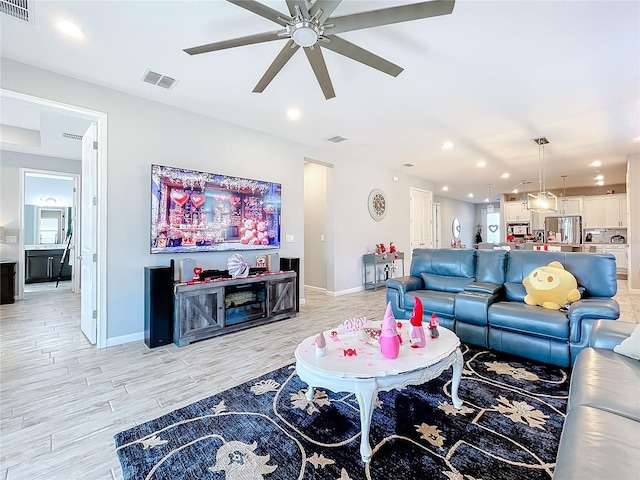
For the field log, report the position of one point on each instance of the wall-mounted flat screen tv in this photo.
(195, 211)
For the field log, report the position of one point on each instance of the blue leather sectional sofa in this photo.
(479, 295)
(601, 434)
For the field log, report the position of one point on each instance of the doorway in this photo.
(318, 237)
(49, 206)
(95, 290)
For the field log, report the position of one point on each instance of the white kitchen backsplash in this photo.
(605, 235)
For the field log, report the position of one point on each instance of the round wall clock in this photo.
(377, 204)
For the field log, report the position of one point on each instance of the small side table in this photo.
(7, 282)
(378, 262)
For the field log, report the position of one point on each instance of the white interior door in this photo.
(437, 226)
(421, 218)
(75, 236)
(87, 258)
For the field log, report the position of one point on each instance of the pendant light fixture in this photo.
(564, 194)
(488, 200)
(542, 201)
(524, 183)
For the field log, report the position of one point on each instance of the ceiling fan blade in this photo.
(388, 16)
(316, 59)
(291, 4)
(261, 9)
(327, 6)
(283, 57)
(348, 49)
(235, 42)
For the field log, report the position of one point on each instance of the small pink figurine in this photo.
(321, 345)
(416, 330)
(389, 340)
(433, 326)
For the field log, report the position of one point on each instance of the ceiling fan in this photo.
(310, 25)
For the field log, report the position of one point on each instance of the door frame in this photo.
(437, 225)
(24, 172)
(100, 118)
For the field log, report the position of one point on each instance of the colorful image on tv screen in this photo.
(195, 211)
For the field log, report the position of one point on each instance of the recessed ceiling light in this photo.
(447, 145)
(69, 28)
(505, 175)
(600, 182)
(599, 177)
(470, 195)
(515, 190)
(597, 163)
(293, 114)
(481, 164)
(445, 188)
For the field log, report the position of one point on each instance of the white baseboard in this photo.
(133, 337)
(345, 292)
(315, 289)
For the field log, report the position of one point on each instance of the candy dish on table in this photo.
(353, 363)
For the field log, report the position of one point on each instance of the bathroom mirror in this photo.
(455, 227)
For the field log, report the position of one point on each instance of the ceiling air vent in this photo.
(158, 79)
(16, 8)
(71, 136)
(337, 139)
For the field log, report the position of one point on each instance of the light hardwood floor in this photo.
(62, 400)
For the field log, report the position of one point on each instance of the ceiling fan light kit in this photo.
(306, 28)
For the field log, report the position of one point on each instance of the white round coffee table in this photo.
(353, 365)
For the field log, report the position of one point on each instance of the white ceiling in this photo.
(490, 77)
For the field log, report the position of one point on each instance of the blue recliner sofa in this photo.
(479, 295)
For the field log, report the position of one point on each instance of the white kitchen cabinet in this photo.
(516, 212)
(570, 206)
(605, 211)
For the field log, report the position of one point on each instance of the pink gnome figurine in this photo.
(416, 330)
(321, 345)
(433, 326)
(389, 339)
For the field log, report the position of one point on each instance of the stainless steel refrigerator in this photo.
(566, 229)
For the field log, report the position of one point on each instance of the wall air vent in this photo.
(71, 136)
(158, 79)
(336, 139)
(17, 8)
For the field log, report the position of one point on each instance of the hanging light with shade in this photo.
(564, 194)
(542, 201)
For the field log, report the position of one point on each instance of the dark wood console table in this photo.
(208, 309)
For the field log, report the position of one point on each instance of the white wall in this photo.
(633, 229)
(463, 211)
(10, 164)
(141, 132)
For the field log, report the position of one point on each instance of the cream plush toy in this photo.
(551, 287)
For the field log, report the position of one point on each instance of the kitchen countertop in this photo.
(48, 246)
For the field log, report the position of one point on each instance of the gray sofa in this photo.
(479, 295)
(601, 434)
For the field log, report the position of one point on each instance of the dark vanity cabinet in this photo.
(44, 266)
(7, 281)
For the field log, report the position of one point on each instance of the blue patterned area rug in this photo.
(509, 428)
